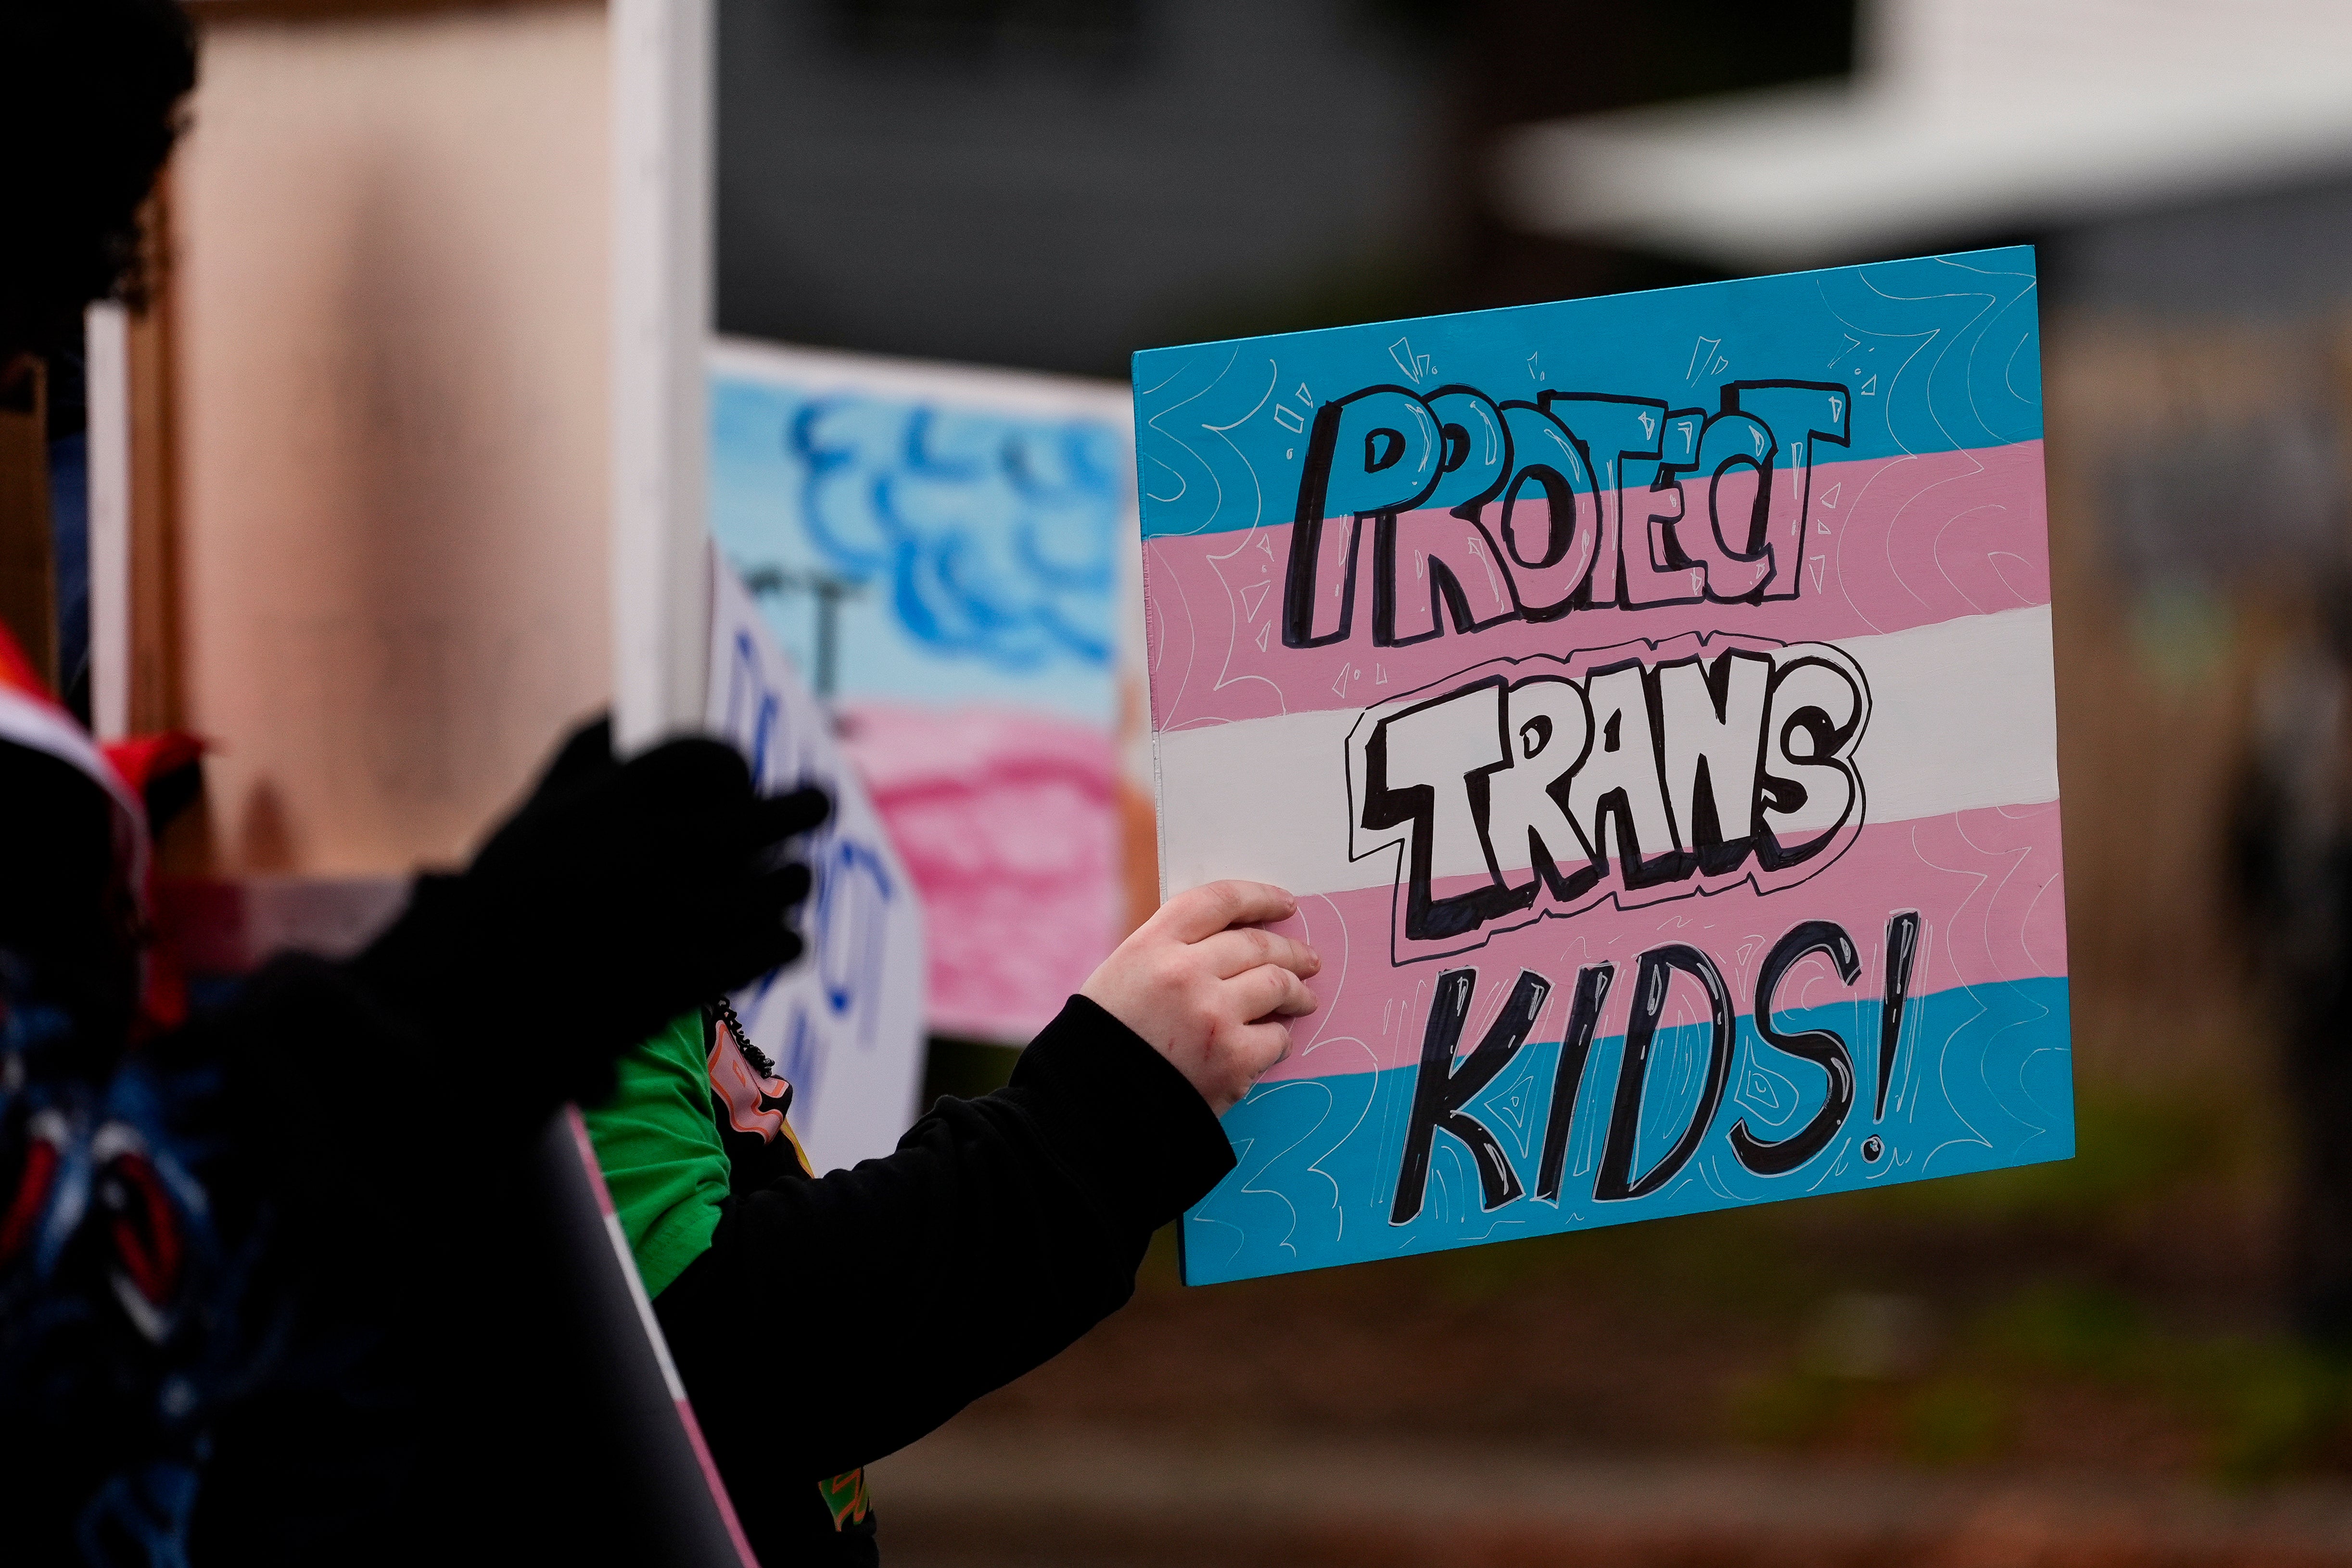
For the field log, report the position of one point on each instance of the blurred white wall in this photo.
(390, 293)
(1964, 118)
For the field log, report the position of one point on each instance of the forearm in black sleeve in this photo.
(833, 1320)
(342, 1102)
(432, 973)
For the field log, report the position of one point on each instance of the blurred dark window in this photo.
(1538, 59)
(1056, 183)
(978, 29)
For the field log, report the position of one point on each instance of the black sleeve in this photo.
(360, 1111)
(368, 1093)
(833, 1320)
(434, 973)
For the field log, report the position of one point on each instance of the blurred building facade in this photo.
(1054, 184)
(1057, 185)
(2186, 173)
(1042, 185)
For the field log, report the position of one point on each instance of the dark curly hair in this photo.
(89, 94)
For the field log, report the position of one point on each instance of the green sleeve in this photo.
(660, 1151)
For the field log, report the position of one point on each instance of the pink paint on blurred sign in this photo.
(1006, 821)
(948, 553)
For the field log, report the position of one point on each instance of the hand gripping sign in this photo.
(1650, 701)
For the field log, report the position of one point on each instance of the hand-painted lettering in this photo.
(1484, 512)
(1528, 788)
(1442, 1090)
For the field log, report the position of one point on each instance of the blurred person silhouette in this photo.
(269, 1282)
(268, 1290)
(2291, 860)
(271, 1286)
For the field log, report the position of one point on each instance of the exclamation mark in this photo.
(1902, 947)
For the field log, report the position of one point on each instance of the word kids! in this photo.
(1443, 1090)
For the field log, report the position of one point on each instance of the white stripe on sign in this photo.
(1962, 715)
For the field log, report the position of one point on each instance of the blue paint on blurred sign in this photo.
(962, 543)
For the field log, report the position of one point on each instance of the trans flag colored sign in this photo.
(1649, 699)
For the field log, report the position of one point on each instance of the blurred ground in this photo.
(960, 1500)
(2081, 1362)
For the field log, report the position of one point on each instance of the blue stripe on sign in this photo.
(1983, 1079)
(1941, 353)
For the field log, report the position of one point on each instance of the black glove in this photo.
(617, 898)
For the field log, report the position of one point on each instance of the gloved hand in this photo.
(616, 899)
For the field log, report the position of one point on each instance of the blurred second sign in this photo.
(949, 555)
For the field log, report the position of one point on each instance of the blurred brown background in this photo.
(2134, 1357)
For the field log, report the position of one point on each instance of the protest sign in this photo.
(844, 1022)
(1649, 699)
(940, 548)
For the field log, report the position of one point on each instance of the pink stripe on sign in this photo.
(1892, 543)
(1986, 884)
